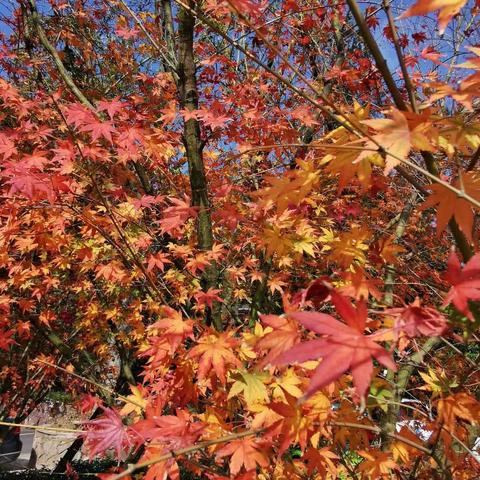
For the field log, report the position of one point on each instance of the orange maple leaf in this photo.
(111, 272)
(284, 336)
(197, 263)
(207, 298)
(350, 247)
(276, 284)
(245, 452)
(346, 161)
(386, 251)
(293, 426)
(393, 135)
(321, 460)
(376, 464)
(157, 261)
(166, 469)
(447, 10)
(348, 164)
(214, 351)
(173, 327)
(449, 204)
(460, 406)
(359, 285)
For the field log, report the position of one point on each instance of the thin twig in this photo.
(183, 451)
(400, 56)
(91, 382)
(41, 427)
(142, 27)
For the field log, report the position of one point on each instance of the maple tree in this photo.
(243, 235)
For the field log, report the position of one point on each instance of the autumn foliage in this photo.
(243, 236)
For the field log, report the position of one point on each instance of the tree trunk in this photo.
(187, 86)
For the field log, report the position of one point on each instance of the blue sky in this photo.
(407, 26)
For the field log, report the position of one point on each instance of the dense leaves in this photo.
(242, 240)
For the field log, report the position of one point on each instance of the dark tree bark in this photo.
(188, 92)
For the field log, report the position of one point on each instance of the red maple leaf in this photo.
(343, 347)
(7, 147)
(212, 120)
(112, 106)
(5, 339)
(317, 292)
(304, 114)
(157, 261)
(419, 37)
(207, 298)
(99, 129)
(415, 320)
(429, 53)
(127, 33)
(78, 115)
(248, 7)
(105, 433)
(88, 402)
(147, 201)
(174, 431)
(189, 114)
(465, 283)
(175, 216)
(35, 185)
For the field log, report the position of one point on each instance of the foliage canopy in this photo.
(243, 235)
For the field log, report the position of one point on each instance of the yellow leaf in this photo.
(276, 241)
(251, 385)
(290, 189)
(456, 135)
(437, 383)
(304, 239)
(393, 135)
(136, 403)
(287, 383)
(350, 247)
(264, 416)
(128, 210)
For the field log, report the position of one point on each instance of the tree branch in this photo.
(184, 451)
(56, 58)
